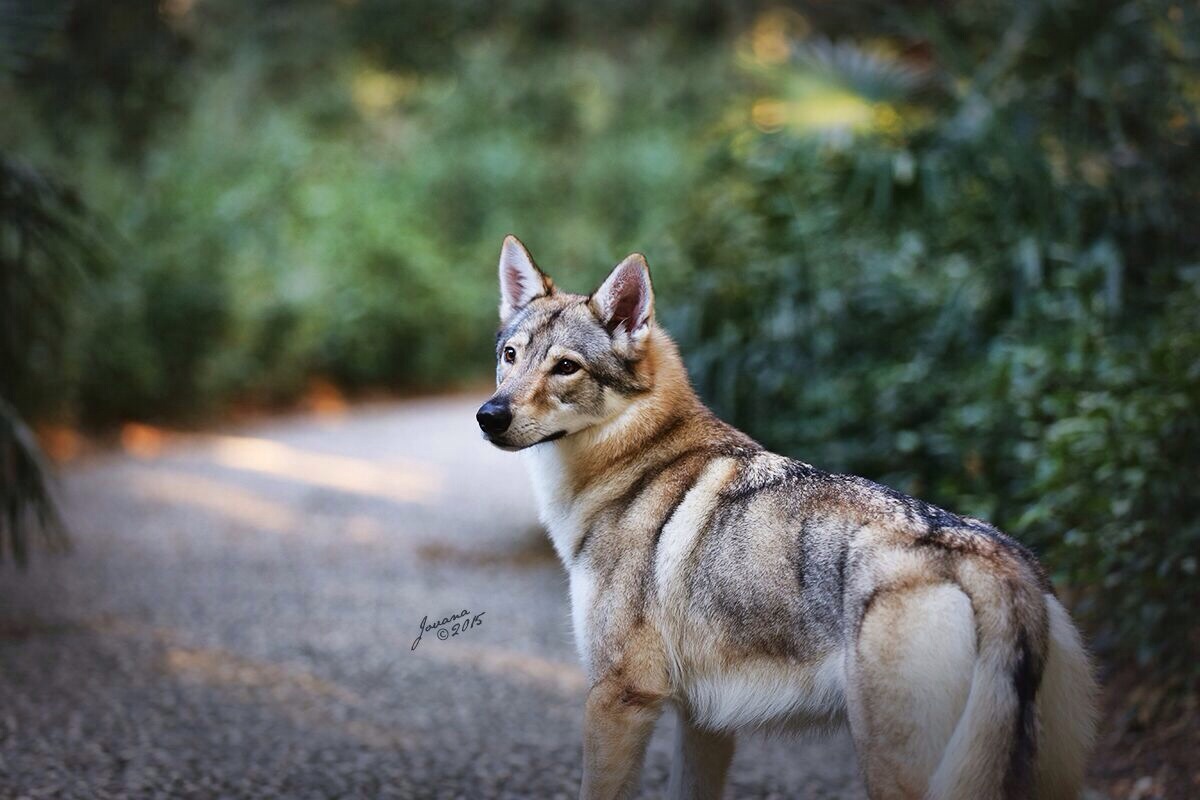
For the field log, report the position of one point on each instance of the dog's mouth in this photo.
(500, 442)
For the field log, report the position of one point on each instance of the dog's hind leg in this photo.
(701, 759)
(908, 679)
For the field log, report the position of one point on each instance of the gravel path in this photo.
(238, 615)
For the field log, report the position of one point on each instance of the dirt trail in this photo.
(238, 618)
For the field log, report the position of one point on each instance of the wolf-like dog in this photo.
(751, 591)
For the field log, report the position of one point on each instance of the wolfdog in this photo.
(748, 591)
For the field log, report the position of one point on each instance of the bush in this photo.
(974, 278)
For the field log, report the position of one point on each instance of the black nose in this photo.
(494, 417)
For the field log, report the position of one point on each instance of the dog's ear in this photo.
(624, 303)
(520, 279)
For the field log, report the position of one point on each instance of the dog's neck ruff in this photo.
(565, 471)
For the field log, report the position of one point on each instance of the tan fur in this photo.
(1066, 709)
(702, 758)
(912, 673)
(748, 590)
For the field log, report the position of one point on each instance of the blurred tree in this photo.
(45, 251)
(98, 63)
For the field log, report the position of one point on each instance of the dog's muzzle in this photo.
(494, 417)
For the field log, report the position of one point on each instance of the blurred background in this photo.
(949, 246)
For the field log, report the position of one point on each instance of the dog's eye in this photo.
(510, 355)
(565, 367)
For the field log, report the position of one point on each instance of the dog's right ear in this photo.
(520, 279)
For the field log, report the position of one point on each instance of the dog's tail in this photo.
(1029, 719)
(1067, 709)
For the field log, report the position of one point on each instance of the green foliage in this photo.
(350, 231)
(981, 288)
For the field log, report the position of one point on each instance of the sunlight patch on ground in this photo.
(218, 497)
(411, 482)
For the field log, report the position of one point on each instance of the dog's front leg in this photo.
(619, 719)
(701, 759)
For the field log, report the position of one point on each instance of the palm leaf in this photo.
(46, 249)
(26, 502)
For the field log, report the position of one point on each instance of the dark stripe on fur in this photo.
(625, 384)
(582, 543)
(1019, 779)
(651, 559)
(649, 446)
(740, 493)
(554, 315)
(635, 490)
(633, 697)
(663, 432)
(675, 504)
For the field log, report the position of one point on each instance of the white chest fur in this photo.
(557, 512)
(547, 473)
(583, 591)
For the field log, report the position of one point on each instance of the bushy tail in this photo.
(1067, 710)
(1029, 719)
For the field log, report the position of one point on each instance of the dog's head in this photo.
(564, 362)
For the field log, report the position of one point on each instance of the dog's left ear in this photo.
(624, 303)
